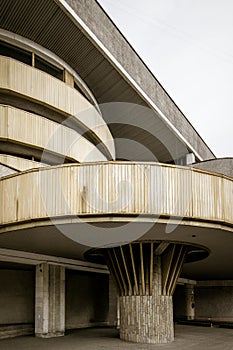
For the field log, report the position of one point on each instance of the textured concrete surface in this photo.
(148, 318)
(50, 300)
(220, 165)
(214, 303)
(16, 296)
(186, 337)
(86, 299)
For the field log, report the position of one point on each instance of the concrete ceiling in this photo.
(54, 240)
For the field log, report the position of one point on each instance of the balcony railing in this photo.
(37, 86)
(113, 189)
(23, 130)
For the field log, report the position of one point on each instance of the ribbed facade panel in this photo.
(117, 189)
(40, 87)
(36, 132)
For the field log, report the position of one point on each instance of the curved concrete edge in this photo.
(128, 190)
(19, 164)
(55, 94)
(105, 220)
(6, 170)
(30, 45)
(45, 135)
(219, 165)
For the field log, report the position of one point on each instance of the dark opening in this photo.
(49, 68)
(15, 52)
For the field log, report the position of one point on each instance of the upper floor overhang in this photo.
(81, 34)
(65, 210)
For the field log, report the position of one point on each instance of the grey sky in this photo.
(188, 45)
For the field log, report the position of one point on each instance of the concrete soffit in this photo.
(86, 30)
(21, 257)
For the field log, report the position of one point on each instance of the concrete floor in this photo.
(187, 337)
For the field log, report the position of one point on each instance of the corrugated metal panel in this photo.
(18, 16)
(20, 164)
(51, 92)
(33, 131)
(118, 189)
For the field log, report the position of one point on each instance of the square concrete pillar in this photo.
(50, 301)
(113, 303)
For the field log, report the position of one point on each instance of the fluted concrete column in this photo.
(50, 301)
(146, 275)
(148, 318)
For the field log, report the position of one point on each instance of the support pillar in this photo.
(113, 301)
(189, 302)
(148, 318)
(50, 301)
(146, 276)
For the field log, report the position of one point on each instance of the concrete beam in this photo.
(21, 257)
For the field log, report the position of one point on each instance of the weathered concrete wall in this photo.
(113, 296)
(16, 303)
(221, 165)
(179, 307)
(17, 296)
(184, 302)
(101, 25)
(214, 302)
(86, 299)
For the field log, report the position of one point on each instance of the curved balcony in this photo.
(19, 164)
(25, 131)
(22, 80)
(111, 190)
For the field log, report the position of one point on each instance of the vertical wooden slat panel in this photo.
(175, 263)
(178, 270)
(167, 258)
(120, 271)
(151, 266)
(113, 271)
(126, 271)
(142, 268)
(134, 269)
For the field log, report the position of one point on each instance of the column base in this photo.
(145, 274)
(50, 335)
(190, 318)
(147, 319)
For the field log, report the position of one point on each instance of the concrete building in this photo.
(111, 202)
